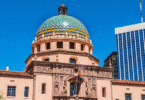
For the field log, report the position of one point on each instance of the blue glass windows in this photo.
(26, 91)
(11, 91)
(127, 96)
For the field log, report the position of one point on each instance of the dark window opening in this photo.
(59, 44)
(26, 92)
(72, 60)
(143, 97)
(32, 50)
(11, 91)
(71, 45)
(73, 89)
(43, 88)
(48, 45)
(89, 49)
(38, 48)
(46, 59)
(103, 92)
(82, 47)
(127, 96)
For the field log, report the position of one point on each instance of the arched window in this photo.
(72, 60)
(73, 89)
(47, 59)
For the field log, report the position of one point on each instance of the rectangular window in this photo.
(11, 91)
(59, 44)
(43, 88)
(71, 45)
(32, 50)
(103, 92)
(143, 97)
(26, 92)
(48, 45)
(82, 47)
(38, 48)
(73, 89)
(127, 96)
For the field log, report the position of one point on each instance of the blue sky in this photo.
(20, 19)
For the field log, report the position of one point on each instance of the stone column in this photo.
(35, 49)
(66, 45)
(78, 46)
(86, 48)
(42, 46)
(91, 50)
(53, 45)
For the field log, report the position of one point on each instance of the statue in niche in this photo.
(56, 88)
(93, 90)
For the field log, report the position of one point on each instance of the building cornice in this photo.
(67, 65)
(62, 52)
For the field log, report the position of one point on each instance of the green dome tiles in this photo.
(62, 23)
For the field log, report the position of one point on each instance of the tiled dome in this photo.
(62, 23)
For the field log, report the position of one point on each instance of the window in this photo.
(73, 89)
(59, 44)
(48, 46)
(32, 50)
(38, 48)
(43, 88)
(47, 59)
(143, 97)
(11, 91)
(127, 96)
(72, 60)
(82, 47)
(26, 92)
(71, 45)
(103, 92)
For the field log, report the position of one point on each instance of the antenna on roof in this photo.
(141, 11)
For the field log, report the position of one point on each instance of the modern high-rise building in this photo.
(131, 52)
(112, 58)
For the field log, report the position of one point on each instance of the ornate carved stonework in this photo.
(56, 84)
(67, 70)
(42, 69)
(105, 74)
(93, 87)
(88, 88)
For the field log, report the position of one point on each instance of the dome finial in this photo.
(62, 9)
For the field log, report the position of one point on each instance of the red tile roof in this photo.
(116, 81)
(12, 73)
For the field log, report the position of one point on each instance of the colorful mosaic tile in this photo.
(62, 23)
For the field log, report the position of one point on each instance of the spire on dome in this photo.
(62, 10)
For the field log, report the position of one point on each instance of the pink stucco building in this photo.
(62, 51)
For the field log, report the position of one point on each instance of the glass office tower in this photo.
(130, 42)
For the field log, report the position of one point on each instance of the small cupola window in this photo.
(47, 59)
(72, 61)
(71, 45)
(59, 44)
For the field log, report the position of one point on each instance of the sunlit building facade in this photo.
(62, 67)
